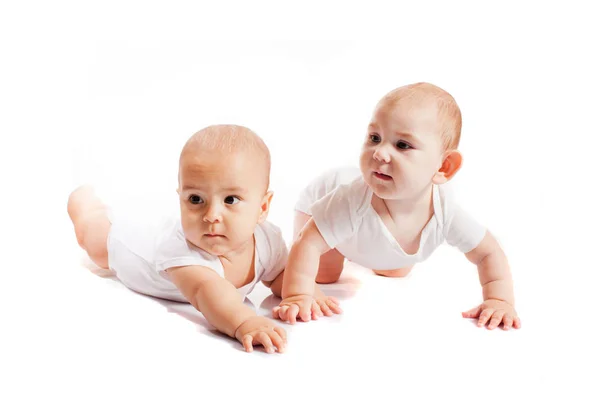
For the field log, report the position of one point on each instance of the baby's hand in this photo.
(295, 306)
(324, 305)
(495, 311)
(260, 330)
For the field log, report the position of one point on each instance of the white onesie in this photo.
(140, 250)
(340, 204)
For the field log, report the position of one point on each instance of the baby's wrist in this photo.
(236, 332)
(302, 287)
(499, 290)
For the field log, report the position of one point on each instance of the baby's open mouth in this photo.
(382, 176)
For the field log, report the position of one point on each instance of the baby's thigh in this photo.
(330, 267)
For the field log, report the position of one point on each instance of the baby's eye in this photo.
(195, 199)
(374, 138)
(403, 145)
(231, 200)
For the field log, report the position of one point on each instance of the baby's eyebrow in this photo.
(235, 189)
(408, 135)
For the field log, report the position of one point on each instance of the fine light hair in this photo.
(230, 139)
(449, 115)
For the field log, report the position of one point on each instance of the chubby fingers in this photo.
(247, 342)
(472, 313)
(510, 321)
(305, 311)
(264, 339)
(517, 322)
(278, 340)
(496, 319)
(292, 313)
(281, 332)
(280, 312)
(484, 316)
(316, 310)
(334, 304)
(325, 307)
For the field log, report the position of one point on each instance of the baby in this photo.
(215, 251)
(395, 211)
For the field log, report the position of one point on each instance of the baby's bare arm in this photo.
(497, 286)
(322, 304)
(298, 289)
(215, 297)
(494, 271)
(276, 284)
(303, 262)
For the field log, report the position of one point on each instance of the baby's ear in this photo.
(265, 205)
(177, 190)
(450, 166)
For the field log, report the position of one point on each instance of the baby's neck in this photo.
(414, 207)
(238, 265)
(241, 252)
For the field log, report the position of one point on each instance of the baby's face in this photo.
(220, 197)
(402, 150)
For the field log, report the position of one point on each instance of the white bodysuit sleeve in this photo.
(172, 250)
(324, 184)
(277, 252)
(460, 229)
(339, 214)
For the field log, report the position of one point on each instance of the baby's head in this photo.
(411, 142)
(223, 187)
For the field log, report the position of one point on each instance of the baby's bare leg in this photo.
(331, 263)
(393, 273)
(90, 219)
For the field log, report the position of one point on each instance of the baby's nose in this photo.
(212, 215)
(381, 155)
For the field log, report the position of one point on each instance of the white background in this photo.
(108, 94)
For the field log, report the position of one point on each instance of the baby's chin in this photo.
(214, 249)
(383, 193)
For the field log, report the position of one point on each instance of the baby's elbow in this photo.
(486, 248)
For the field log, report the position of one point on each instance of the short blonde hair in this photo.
(449, 115)
(230, 139)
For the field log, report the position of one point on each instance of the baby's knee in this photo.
(80, 200)
(327, 279)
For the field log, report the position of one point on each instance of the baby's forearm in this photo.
(301, 271)
(222, 306)
(495, 277)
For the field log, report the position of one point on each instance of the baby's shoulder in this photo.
(172, 243)
(347, 201)
(269, 231)
(447, 204)
(269, 241)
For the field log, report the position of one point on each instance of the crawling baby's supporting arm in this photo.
(221, 304)
(322, 304)
(299, 279)
(497, 286)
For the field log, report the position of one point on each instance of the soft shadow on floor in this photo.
(344, 289)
